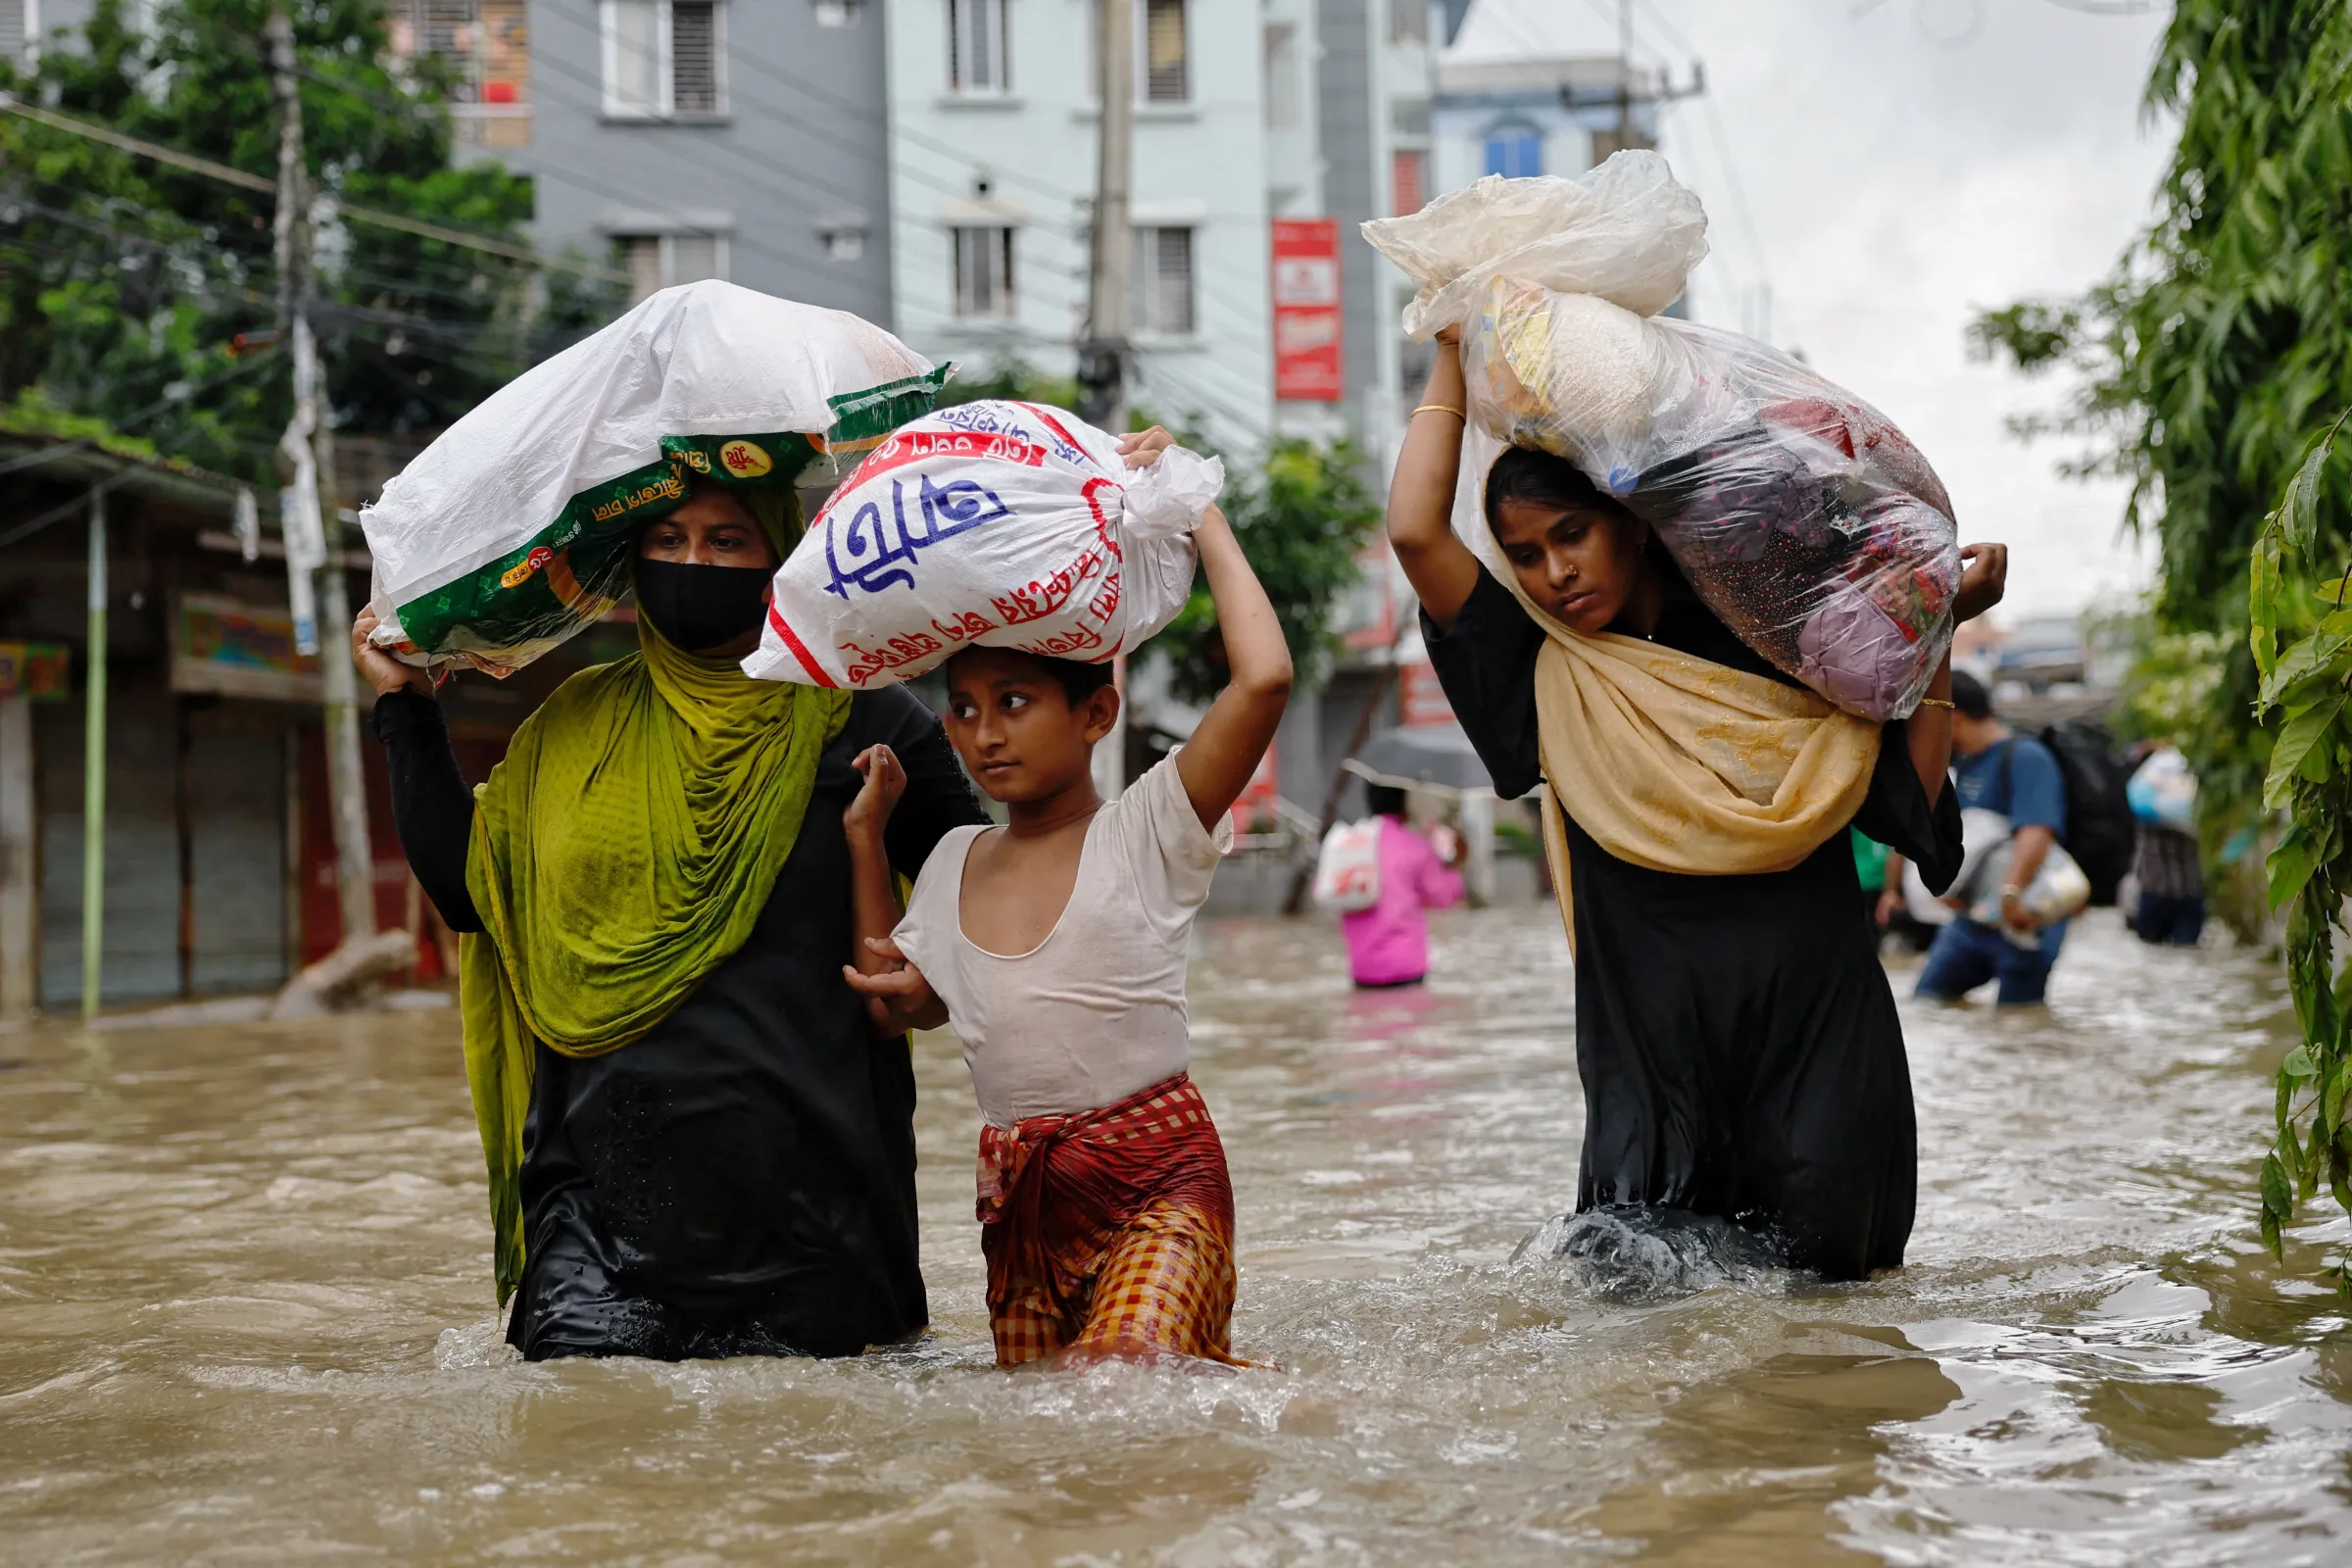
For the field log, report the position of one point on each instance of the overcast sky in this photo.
(1904, 163)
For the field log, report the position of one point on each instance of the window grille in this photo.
(1163, 281)
(978, 46)
(984, 270)
(1167, 64)
(694, 57)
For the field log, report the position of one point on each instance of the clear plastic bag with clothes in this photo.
(1799, 514)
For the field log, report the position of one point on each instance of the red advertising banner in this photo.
(1306, 310)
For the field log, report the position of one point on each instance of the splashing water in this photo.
(1645, 1254)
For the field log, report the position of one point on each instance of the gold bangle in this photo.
(1937, 701)
(1442, 408)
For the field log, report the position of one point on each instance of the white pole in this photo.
(93, 772)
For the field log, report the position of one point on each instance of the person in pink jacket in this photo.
(1388, 944)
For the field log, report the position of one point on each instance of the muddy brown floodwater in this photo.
(245, 1316)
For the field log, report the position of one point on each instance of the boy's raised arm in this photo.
(896, 997)
(1217, 764)
(1440, 567)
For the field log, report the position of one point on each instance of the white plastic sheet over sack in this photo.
(1011, 524)
(1800, 515)
(513, 529)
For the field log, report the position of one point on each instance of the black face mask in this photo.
(701, 606)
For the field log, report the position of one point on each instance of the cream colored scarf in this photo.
(1679, 765)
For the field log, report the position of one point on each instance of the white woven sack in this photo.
(1009, 524)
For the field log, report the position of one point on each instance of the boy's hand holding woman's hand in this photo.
(897, 998)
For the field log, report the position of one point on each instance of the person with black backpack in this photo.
(1996, 769)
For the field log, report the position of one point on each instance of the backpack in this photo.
(2100, 832)
(1347, 872)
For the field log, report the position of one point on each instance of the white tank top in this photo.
(1095, 1011)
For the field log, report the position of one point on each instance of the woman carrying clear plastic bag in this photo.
(1737, 1038)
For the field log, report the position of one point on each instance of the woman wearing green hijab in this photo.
(697, 1144)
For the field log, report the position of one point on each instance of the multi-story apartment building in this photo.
(1525, 89)
(742, 139)
(994, 119)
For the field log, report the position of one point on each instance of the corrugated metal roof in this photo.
(67, 458)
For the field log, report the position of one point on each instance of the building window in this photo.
(843, 242)
(835, 13)
(979, 53)
(665, 58)
(1515, 152)
(1409, 21)
(984, 270)
(485, 44)
(1282, 76)
(1167, 59)
(1163, 281)
(656, 262)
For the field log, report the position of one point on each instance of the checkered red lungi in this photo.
(1110, 1231)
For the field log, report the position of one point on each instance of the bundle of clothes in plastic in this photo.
(1800, 514)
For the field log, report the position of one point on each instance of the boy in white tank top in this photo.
(1056, 945)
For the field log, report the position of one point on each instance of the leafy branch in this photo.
(2310, 684)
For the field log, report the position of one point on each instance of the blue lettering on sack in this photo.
(875, 562)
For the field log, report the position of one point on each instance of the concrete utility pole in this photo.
(1625, 72)
(1103, 357)
(93, 770)
(308, 444)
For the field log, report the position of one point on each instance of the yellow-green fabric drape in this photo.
(1681, 764)
(621, 851)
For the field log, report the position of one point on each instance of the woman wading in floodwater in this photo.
(1735, 1036)
(698, 1145)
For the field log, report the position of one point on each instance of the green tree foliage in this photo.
(2221, 344)
(1011, 379)
(2308, 684)
(1302, 518)
(125, 282)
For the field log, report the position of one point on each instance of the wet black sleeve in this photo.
(432, 808)
(939, 795)
(1897, 814)
(1487, 662)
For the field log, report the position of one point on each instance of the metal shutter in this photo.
(142, 851)
(236, 848)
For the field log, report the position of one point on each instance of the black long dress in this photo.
(741, 1181)
(1735, 1035)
